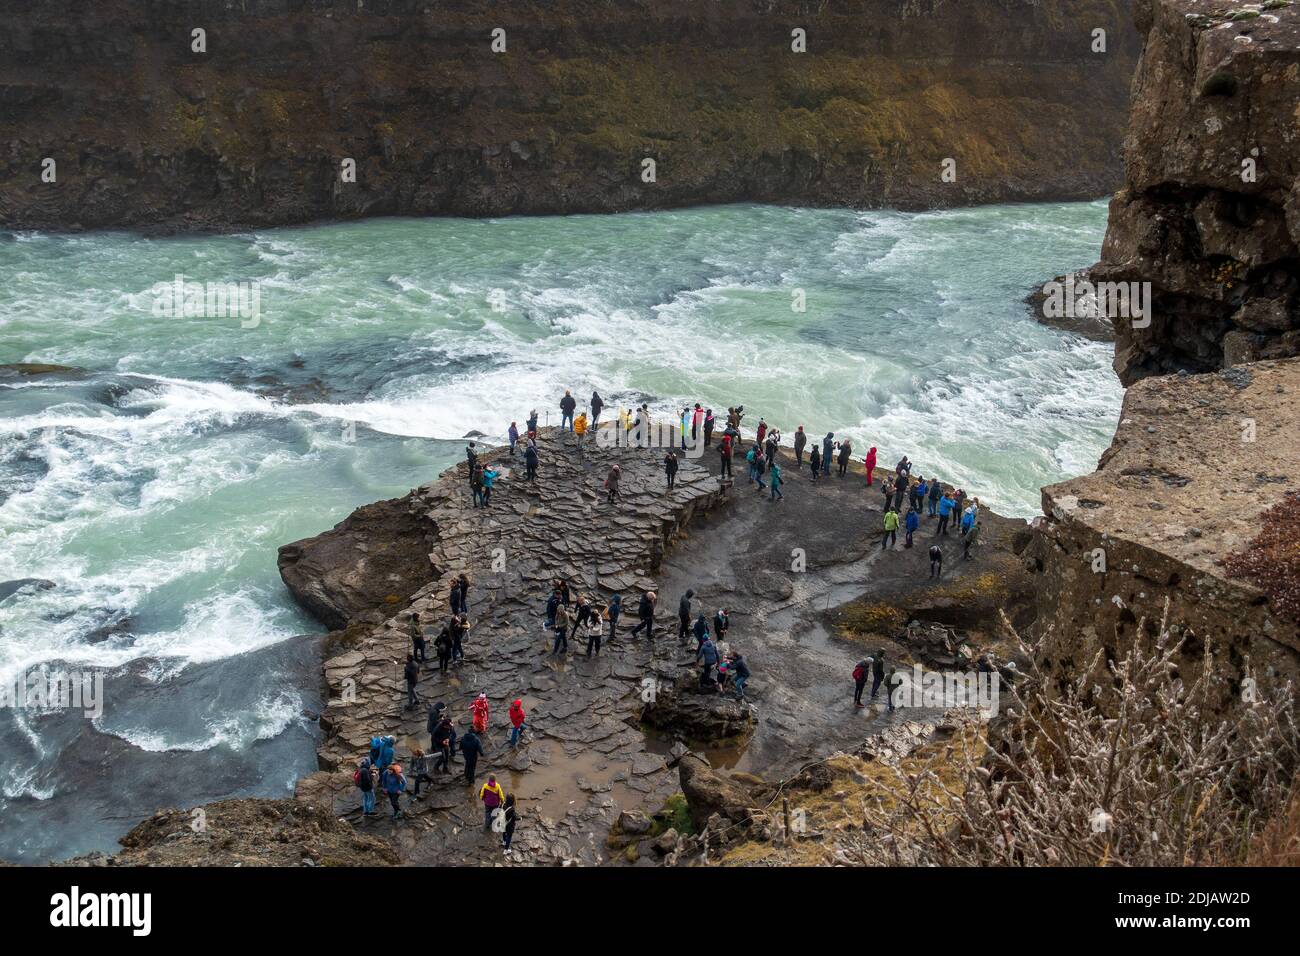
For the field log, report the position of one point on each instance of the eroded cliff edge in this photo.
(1210, 209)
(146, 132)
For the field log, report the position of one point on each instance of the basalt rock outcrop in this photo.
(1210, 209)
(148, 127)
(1197, 467)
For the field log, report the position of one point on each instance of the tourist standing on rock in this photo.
(567, 405)
(489, 481)
(479, 711)
(613, 613)
(721, 624)
(492, 796)
(911, 523)
(684, 616)
(562, 585)
(760, 433)
(900, 492)
(431, 722)
(946, 505)
(958, 505)
(611, 482)
(708, 653)
(670, 468)
(708, 427)
(476, 483)
(518, 721)
(890, 536)
(393, 783)
(968, 517)
(828, 452)
(860, 681)
(815, 463)
(530, 462)
(513, 435)
(456, 594)
(936, 561)
(584, 613)
(366, 784)
(724, 450)
(532, 424)
(869, 465)
(877, 671)
(443, 646)
(701, 631)
(645, 613)
(471, 748)
(417, 637)
(936, 492)
(563, 618)
(776, 481)
(444, 742)
(972, 537)
(552, 606)
(846, 455)
(597, 405)
(412, 674)
(419, 771)
(509, 817)
(457, 628)
(917, 495)
(903, 468)
(800, 441)
(471, 456)
(580, 427)
(739, 673)
(595, 629)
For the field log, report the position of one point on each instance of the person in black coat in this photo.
(597, 403)
(645, 611)
(471, 748)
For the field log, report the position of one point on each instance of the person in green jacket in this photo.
(776, 481)
(891, 529)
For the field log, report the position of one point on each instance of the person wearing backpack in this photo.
(364, 782)
(393, 783)
(913, 522)
(877, 672)
(492, 796)
(385, 753)
(511, 817)
(860, 681)
(376, 748)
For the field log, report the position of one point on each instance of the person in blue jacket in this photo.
(776, 481)
(912, 523)
(366, 784)
(489, 479)
(708, 652)
(385, 753)
(615, 612)
(393, 783)
(946, 505)
(514, 437)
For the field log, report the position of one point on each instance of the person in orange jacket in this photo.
(517, 718)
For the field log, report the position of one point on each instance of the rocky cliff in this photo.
(144, 129)
(1210, 210)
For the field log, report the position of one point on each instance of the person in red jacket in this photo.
(517, 718)
(870, 464)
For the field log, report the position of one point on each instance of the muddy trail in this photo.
(790, 573)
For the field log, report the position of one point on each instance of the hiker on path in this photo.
(968, 517)
(972, 537)
(869, 465)
(442, 644)
(911, 523)
(846, 454)
(444, 742)
(530, 462)
(597, 404)
(393, 783)
(490, 476)
(918, 493)
(513, 435)
(595, 628)
(800, 441)
(815, 463)
(860, 680)
(567, 405)
(946, 505)
(877, 671)
(684, 616)
(419, 770)
(936, 561)
(412, 674)
(936, 492)
(563, 618)
(611, 482)
(724, 452)
(900, 491)
(365, 782)
(645, 613)
(510, 816)
(456, 630)
(890, 536)
(708, 653)
(479, 711)
(828, 451)
(518, 721)
(670, 468)
(417, 639)
(580, 426)
(776, 481)
(739, 673)
(471, 748)
(614, 612)
(493, 797)
(721, 624)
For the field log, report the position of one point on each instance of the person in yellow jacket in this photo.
(580, 426)
(492, 796)
(891, 529)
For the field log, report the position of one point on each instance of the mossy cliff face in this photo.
(1210, 211)
(253, 131)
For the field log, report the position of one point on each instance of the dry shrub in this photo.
(1272, 561)
(1136, 770)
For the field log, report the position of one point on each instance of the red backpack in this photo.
(859, 673)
